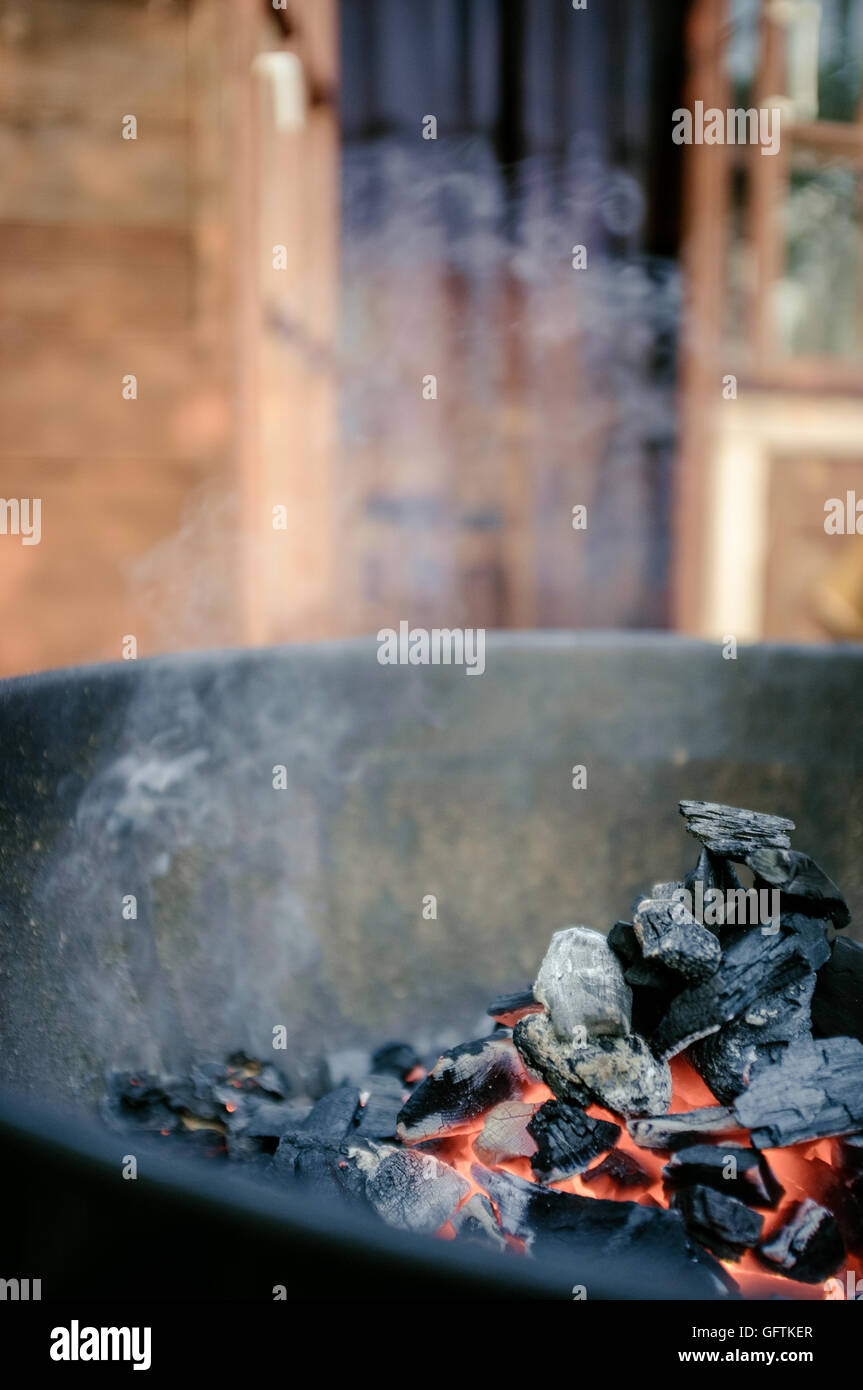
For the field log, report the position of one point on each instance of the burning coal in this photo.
(687, 1089)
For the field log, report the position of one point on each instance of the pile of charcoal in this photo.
(547, 1136)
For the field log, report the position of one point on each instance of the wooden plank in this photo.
(94, 279)
(93, 61)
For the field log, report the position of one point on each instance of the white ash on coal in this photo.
(581, 984)
(808, 1247)
(462, 1085)
(504, 1134)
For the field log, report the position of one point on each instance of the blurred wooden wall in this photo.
(149, 257)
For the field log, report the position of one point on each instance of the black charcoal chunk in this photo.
(461, 1086)
(509, 1008)
(476, 1221)
(330, 1169)
(714, 874)
(728, 1060)
(670, 935)
(811, 934)
(848, 1153)
(415, 1192)
(754, 964)
(511, 1196)
(380, 1102)
(733, 833)
(837, 1005)
(721, 1223)
(682, 1129)
(397, 1059)
(581, 984)
(729, 1168)
(332, 1117)
(549, 1058)
(567, 1140)
(624, 943)
(138, 1101)
(620, 1169)
(804, 886)
(621, 1074)
(504, 1134)
(601, 1237)
(272, 1118)
(809, 1247)
(814, 1092)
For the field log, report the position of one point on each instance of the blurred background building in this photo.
(369, 381)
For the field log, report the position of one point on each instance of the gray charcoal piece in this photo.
(332, 1117)
(620, 1168)
(509, 1008)
(396, 1059)
(567, 1140)
(809, 1247)
(733, 833)
(504, 1134)
(581, 984)
(722, 1224)
(729, 1168)
(621, 1074)
(462, 1085)
(670, 935)
(272, 1118)
(476, 1221)
(814, 1092)
(511, 1196)
(597, 1237)
(804, 885)
(678, 1131)
(712, 872)
(837, 1005)
(753, 965)
(848, 1153)
(415, 1192)
(728, 1060)
(380, 1102)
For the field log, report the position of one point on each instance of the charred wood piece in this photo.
(509, 1008)
(730, 832)
(581, 984)
(621, 1074)
(504, 1134)
(380, 1102)
(729, 1059)
(804, 886)
(669, 934)
(682, 1130)
(397, 1059)
(753, 965)
(476, 1221)
(814, 1092)
(722, 1224)
(601, 1236)
(728, 1168)
(333, 1116)
(837, 1005)
(713, 873)
(462, 1085)
(567, 1140)
(415, 1192)
(809, 1247)
(619, 1169)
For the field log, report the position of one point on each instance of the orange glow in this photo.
(804, 1170)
